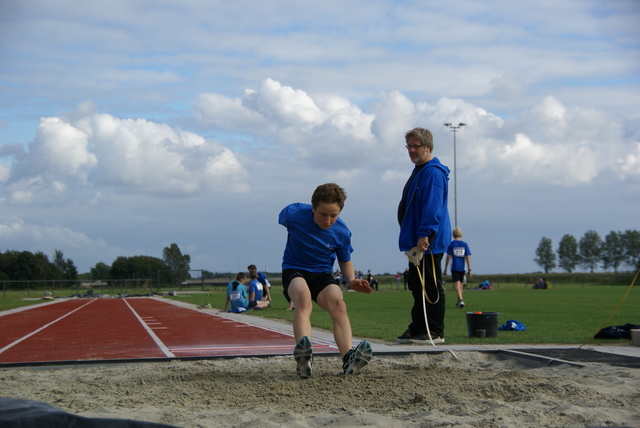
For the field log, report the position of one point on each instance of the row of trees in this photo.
(172, 268)
(618, 249)
(23, 265)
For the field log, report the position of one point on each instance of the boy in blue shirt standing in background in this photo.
(458, 250)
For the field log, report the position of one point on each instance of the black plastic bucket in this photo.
(482, 324)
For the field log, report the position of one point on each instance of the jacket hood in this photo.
(435, 163)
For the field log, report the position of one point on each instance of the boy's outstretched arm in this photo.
(359, 285)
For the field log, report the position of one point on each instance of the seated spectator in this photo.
(266, 285)
(484, 285)
(255, 292)
(237, 294)
(373, 283)
(540, 284)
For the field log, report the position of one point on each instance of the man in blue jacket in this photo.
(425, 226)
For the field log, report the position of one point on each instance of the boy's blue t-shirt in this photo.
(263, 279)
(458, 250)
(238, 297)
(255, 287)
(309, 247)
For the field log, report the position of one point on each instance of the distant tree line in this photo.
(172, 268)
(23, 265)
(617, 250)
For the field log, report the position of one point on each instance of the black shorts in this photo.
(315, 281)
(457, 275)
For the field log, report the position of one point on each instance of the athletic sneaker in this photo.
(405, 337)
(424, 339)
(303, 355)
(460, 304)
(358, 357)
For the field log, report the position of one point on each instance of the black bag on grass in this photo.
(616, 332)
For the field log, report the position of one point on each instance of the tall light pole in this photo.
(454, 129)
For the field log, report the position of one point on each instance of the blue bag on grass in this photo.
(513, 325)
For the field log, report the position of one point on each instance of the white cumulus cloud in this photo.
(87, 152)
(18, 234)
(328, 131)
(550, 143)
(630, 164)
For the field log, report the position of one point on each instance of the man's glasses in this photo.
(414, 146)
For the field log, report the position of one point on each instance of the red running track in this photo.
(133, 328)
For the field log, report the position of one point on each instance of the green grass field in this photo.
(563, 314)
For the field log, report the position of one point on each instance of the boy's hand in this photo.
(360, 285)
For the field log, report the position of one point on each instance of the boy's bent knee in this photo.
(336, 307)
(303, 304)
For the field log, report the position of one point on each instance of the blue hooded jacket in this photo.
(426, 212)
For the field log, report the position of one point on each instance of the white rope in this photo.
(415, 257)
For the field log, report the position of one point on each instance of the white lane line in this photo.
(241, 348)
(11, 345)
(155, 338)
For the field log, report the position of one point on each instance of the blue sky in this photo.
(126, 126)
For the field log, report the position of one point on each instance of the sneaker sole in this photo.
(363, 354)
(303, 354)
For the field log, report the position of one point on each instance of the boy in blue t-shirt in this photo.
(458, 250)
(237, 294)
(255, 292)
(316, 237)
(266, 285)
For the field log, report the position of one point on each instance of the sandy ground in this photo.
(418, 390)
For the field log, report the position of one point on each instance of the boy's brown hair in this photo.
(329, 193)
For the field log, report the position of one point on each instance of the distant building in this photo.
(93, 284)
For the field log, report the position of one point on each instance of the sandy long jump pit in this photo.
(476, 389)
